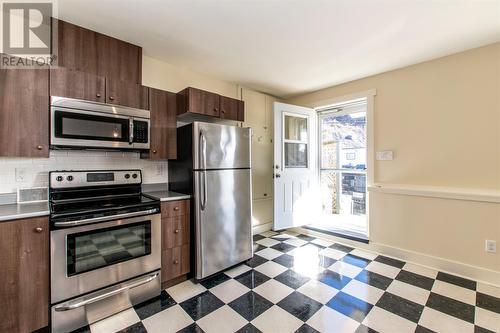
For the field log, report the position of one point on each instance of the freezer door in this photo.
(220, 146)
(223, 219)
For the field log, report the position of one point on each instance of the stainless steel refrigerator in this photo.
(213, 165)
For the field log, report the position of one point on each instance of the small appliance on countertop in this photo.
(105, 245)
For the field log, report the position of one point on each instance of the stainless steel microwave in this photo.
(83, 124)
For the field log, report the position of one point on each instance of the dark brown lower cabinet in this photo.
(175, 243)
(24, 112)
(175, 262)
(24, 278)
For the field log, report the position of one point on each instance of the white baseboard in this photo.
(476, 273)
(257, 229)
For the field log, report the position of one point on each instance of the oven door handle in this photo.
(67, 224)
(78, 303)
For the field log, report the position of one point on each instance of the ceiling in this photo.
(289, 47)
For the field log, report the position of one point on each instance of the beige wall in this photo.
(442, 120)
(161, 75)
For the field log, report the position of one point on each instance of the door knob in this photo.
(38, 229)
(154, 151)
(98, 95)
(176, 231)
(176, 208)
(111, 98)
(39, 147)
(176, 262)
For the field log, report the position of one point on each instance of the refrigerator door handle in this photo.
(203, 159)
(203, 202)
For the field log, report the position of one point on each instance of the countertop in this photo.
(167, 195)
(22, 211)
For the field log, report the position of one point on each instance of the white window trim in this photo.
(369, 95)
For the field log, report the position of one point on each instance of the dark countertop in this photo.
(167, 195)
(22, 211)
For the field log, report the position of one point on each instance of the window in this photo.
(295, 141)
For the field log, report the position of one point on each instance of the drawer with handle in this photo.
(175, 208)
(175, 231)
(175, 262)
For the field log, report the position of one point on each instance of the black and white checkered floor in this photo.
(298, 283)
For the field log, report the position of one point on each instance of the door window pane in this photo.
(295, 155)
(295, 128)
(90, 250)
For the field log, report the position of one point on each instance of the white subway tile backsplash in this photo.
(37, 169)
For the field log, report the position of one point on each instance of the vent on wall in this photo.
(35, 194)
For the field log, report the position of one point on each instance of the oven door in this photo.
(88, 257)
(79, 128)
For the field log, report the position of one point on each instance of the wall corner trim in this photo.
(454, 193)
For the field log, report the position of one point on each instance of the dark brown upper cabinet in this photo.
(118, 59)
(76, 46)
(193, 100)
(24, 112)
(198, 101)
(231, 108)
(163, 138)
(24, 281)
(75, 84)
(126, 93)
(88, 51)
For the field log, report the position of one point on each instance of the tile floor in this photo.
(298, 283)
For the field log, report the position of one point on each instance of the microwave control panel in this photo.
(141, 131)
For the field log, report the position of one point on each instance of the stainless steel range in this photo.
(105, 244)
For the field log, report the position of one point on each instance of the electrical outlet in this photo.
(491, 246)
(21, 174)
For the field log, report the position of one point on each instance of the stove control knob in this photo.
(127, 176)
(69, 178)
(59, 178)
(134, 176)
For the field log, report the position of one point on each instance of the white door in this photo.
(297, 200)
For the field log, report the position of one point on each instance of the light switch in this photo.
(386, 155)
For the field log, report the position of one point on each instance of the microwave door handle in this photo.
(131, 131)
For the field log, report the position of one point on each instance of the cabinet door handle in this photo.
(176, 231)
(176, 208)
(154, 151)
(98, 95)
(39, 147)
(176, 262)
(111, 98)
(38, 229)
